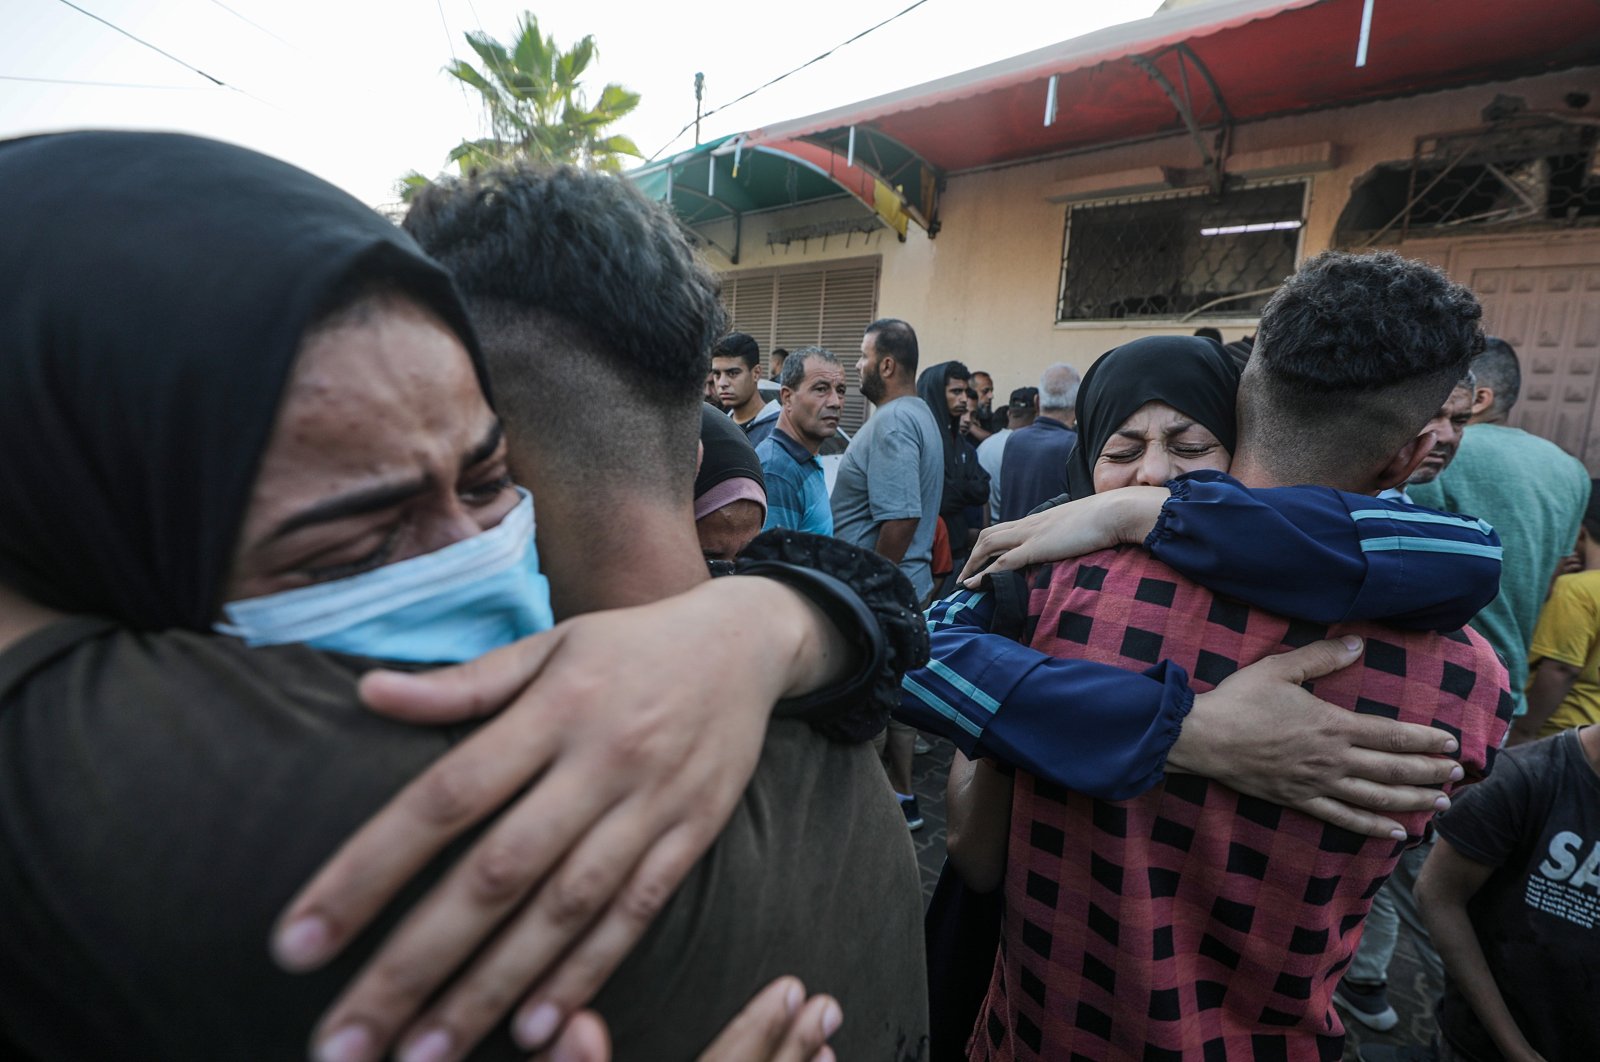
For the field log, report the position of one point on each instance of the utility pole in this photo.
(699, 91)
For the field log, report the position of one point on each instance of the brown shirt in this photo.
(163, 796)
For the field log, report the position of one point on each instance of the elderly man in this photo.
(812, 397)
(1035, 468)
(1532, 492)
(1448, 426)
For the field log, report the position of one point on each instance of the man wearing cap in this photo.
(1020, 412)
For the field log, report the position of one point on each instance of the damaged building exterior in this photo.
(1167, 173)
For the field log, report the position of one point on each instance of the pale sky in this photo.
(353, 89)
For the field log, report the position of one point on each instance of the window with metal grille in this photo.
(827, 306)
(1184, 255)
(1525, 172)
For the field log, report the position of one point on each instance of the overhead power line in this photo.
(252, 22)
(783, 75)
(147, 44)
(106, 84)
(163, 52)
(450, 42)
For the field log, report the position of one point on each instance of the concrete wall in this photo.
(985, 289)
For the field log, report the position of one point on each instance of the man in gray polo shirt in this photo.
(887, 495)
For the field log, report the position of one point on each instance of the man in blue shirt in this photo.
(1035, 468)
(811, 398)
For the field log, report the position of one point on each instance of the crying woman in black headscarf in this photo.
(1148, 412)
(1151, 410)
(248, 452)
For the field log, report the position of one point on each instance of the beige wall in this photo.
(985, 289)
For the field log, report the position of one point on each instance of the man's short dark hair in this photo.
(738, 345)
(579, 285)
(1354, 355)
(955, 370)
(1497, 369)
(796, 364)
(1207, 332)
(893, 338)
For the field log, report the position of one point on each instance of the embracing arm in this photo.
(613, 780)
(1090, 727)
(1333, 556)
(1112, 733)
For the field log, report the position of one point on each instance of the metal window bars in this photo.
(1182, 255)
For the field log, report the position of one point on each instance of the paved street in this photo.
(928, 777)
(1408, 990)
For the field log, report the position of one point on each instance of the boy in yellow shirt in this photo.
(1564, 659)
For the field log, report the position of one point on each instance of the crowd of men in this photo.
(1502, 898)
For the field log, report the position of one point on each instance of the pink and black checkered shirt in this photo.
(1192, 922)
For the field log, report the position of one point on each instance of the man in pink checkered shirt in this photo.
(1192, 922)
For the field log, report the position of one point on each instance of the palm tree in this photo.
(536, 106)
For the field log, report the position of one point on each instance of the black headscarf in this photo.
(153, 293)
(1188, 373)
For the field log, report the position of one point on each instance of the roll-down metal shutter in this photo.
(827, 305)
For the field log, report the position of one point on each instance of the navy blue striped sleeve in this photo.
(1090, 727)
(1309, 552)
(1325, 555)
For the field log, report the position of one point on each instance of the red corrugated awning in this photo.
(1265, 59)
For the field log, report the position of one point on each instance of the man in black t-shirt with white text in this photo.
(1511, 896)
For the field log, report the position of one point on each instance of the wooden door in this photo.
(1545, 302)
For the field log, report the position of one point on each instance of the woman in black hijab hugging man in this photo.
(248, 449)
(1152, 410)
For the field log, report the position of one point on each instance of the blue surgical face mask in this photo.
(453, 604)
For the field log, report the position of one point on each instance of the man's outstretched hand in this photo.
(622, 756)
(1261, 733)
